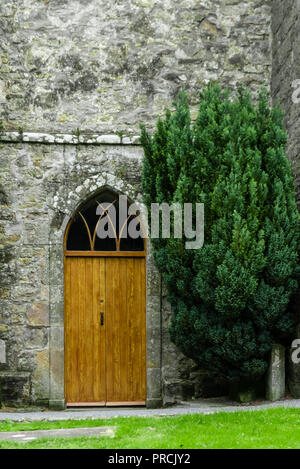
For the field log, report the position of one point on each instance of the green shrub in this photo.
(231, 299)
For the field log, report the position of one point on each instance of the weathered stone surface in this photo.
(2, 352)
(15, 387)
(121, 65)
(154, 390)
(40, 377)
(38, 314)
(275, 380)
(285, 72)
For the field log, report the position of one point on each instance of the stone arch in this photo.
(63, 206)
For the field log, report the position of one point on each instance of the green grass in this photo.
(273, 428)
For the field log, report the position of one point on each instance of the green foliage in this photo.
(231, 300)
(76, 132)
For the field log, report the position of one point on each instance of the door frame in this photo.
(67, 207)
(105, 254)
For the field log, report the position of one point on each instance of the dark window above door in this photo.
(100, 216)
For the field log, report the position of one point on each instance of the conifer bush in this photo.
(231, 299)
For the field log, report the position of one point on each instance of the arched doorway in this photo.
(105, 306)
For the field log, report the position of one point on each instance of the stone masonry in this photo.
(286, 90)
(105, 66)
(76, 80)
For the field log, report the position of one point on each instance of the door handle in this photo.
(101, 318)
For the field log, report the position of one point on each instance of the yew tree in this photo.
(232, 299)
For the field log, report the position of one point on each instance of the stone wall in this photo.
(32, 177)
(105, 66)
(286, 72)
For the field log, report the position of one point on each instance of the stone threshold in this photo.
(71, 139)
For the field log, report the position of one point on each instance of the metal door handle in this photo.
(102, 318)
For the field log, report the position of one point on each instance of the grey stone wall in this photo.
(285, 72)
(34, 178)
(105, 66)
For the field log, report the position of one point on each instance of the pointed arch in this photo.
(85, 231)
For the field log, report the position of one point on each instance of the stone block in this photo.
(56, 375)
(36, 338)
(153, 352)
(275, 379)
(154, 403)
(153, 383)
(40, 378)
(15, 388)
(2, 351)
(57, 404)
(56, 305)
(153, 311)
(176, 390)
(38, 314)
(56, 264)
(153, 278)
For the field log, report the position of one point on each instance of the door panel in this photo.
(125, 329)
(105, 364)
(85, 378)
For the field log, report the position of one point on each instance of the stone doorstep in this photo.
(26, 436)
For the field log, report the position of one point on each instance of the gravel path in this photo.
(200, 406)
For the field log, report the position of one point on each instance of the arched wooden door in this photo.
(105, 320)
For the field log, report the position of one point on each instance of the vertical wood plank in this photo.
(74, 318)
(101, 349)
(136, 332)
(81, 328)
(130, 323)
(109, 324)
(95, 358)
(89, 332)
(123, 336)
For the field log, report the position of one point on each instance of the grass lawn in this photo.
(273, 428)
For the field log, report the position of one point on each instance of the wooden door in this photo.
(105, 330)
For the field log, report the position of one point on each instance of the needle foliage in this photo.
(231, 299)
